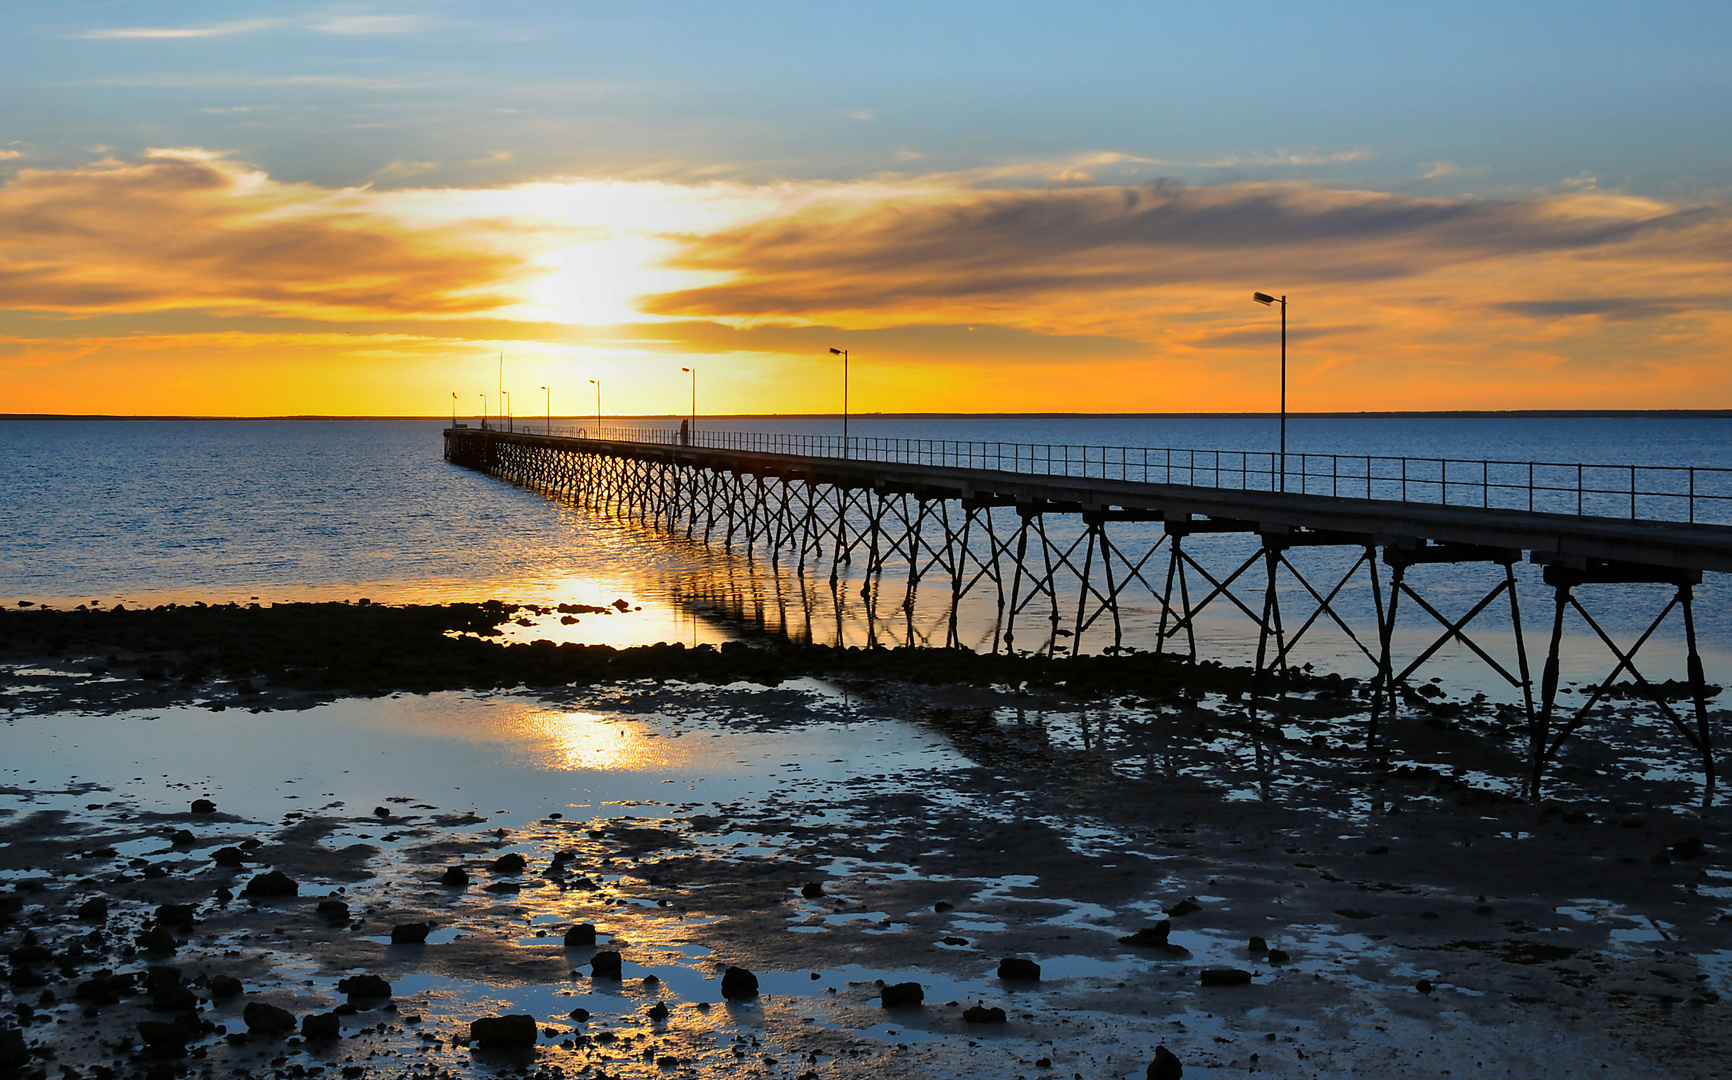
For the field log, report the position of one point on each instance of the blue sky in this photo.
(1443, 98)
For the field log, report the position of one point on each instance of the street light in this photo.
(843, 353)
(597, 383)
(453, 408)
(483, 398)
(1266, 300)
(549, 430)
(506, 394)
(694, 374)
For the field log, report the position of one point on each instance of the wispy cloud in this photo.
(8, 155)
(371, 24)
(158, 33)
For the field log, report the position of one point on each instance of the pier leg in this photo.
(1385, 690)
(1541, 728)
(1698, 686)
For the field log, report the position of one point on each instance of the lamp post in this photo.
(453, 408)
(506, 404)
(597, 383)
(549, 430)
(693, 372)
(843, 353)
(1266, 300)
(483, 398)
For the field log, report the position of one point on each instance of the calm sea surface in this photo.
(150, 511)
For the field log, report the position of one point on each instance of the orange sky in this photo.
(189, 282)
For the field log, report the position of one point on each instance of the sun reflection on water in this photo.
(573, 741)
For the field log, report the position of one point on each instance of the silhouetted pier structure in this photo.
(974, 516)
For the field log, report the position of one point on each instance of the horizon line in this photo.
(1703, 414)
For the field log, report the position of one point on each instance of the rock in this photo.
(605, 965)
(901, 995)
(942, 906)
(1355, 913)
(1423, 986)
(658, 1011)
(1184, 907)
(980, 1014)
(954, 940)
(504, 887)
(174, 914)
(170, 1037)
(262, 1019)
(1150, 937)
(1278, 956)
(579, 1015)
(173, 997)
(1015, 968)
(94, 909)
(333, 911)
(812, 890)
(739, 983)
(223, 987)
(1258, 946)
(158, 976)
(271, 885)
(229, 856)
(510, 863)
(203, 806)
(1166, 1066)
(1691, 847)
(580, 935)
(14, 1054)
(321, 1026)
(454, 877)
(158, 941)
(183, 838)
(414, 933)
(1226, 977)
(364, 986)
(381, 812)
(516, 1032)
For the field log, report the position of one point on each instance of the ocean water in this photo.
(156, 511)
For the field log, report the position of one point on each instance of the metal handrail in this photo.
(1689, 493)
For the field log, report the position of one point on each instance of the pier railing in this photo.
(1698, 494)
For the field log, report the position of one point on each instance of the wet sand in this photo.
(827, 824)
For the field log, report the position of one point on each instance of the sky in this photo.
(361, 208)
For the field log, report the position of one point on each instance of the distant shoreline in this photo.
(1437, 414)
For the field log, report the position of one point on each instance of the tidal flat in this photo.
(1252, 891)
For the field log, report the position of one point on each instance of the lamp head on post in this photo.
(1270, 301)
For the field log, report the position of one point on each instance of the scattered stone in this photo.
(953, 940)
(1355, 913)
(1226, 977)
(321, 1026)
(1015, 968)
(1166, 1066)
(271, 885)
(1258, 945)
(175, 914)
(170, 1038)
(942, 906)
(158, 941)
(173, 996)
(739, 983)
(14, 1054)
(454, 877)
(364, 986)
(1150, 937)
(658, 1011)
(605, 965)
(94, 909)
(505, 887)
(1278, 956)
(223, 987)
(1184, 907)
(812, 890)
(510, 863)
(203, 806)
(333, 911)
(980, 1014)
(381, 812)
(901, 995)
(183, 838)
(414, 933)
(580, 935)
(229, 856)
(1423, 986)
(515, 1032)
(579, 1015)
(1691, 847)
(262, 1019)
